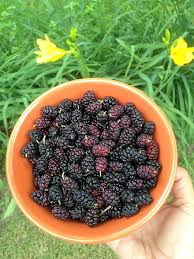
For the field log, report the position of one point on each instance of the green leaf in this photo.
(10, 209)
(1, 185)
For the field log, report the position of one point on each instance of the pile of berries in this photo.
(93, 160)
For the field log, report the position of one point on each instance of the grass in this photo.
(117, 39)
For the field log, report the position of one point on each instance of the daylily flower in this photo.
(48, 52)
(180, 53)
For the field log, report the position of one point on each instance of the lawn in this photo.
(117, 39)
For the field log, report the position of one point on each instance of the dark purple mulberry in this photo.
(60, 213)
(91, 217)
(134, 184)
(101, 164)
(148, 127)
(115, 111)
(125, 122)
(100, 150)
(147, 171)
(129, 209)
(88, 98)
(65, 105)
(69, 184)
(40, 197)
(127, 137)
(94, 108)
(49, 112)
(153, 150)
(42, 123)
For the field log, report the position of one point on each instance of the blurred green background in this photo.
(118, 39)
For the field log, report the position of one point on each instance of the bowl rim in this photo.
(128, 229)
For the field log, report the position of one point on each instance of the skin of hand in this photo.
(170, 233)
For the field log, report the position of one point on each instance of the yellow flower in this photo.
(48, 52)
(180, 53)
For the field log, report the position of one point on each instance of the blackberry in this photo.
(55, 194)
(141, 156)
(143, 198)
(115, 130)
(53, 166)
(76, 154)
(75, 170)
(65, 105)
(125, 122)
(109, 102)
(137, 120)
(69, 184)
(88, 164)
(42, 123)
(151, 183)
(35, 135)
(127, 196)
(41, 164)
(153, 150)
(109, 143)
(42, 182)
(147, 171)
(84, 198)
(127, 137)
(154, 163)
(40, 197)
(68, 132)
(116, 166)
(129, 171)
(63, 118)
(29, 150)
(56, 180)
(115, 212)
(60, 212)
(134, 184)
(94, 131)
(45, 149)
(129, 154)
(129, 209)
(88, 98)
(144, 139)
(94, 108)
(49, 112)
(148, 127)
(102, 117)
(101, 164)
(81, 128)
(77, 212)
(100, 150)
(68, 200)
(115, 112)
(53, 132)
(91, 217)
(92, 182)
(110, 198)
(76, 116)
(129, 108)
(77, 104)
(64, 166)
(89, 141)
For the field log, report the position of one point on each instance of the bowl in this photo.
(19, 172)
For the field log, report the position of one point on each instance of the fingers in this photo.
(182, 190)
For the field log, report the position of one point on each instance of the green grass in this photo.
(117, 39)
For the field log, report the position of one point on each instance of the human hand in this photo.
(170, 234)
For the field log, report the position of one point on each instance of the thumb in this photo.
(182, 190)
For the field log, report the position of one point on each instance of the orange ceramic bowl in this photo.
(19, 172)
